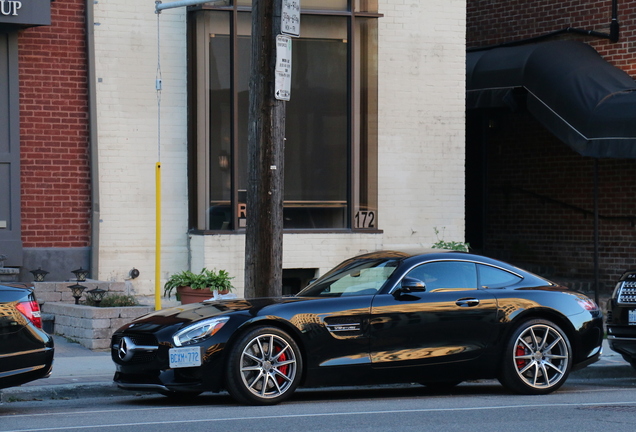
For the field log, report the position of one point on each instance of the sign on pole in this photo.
(283, 67)
(290, 18)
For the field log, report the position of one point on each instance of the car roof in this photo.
(442, 254)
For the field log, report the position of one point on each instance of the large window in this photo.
(331, 118)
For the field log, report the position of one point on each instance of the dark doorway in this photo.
(476, 178)
(296, 279)
(10, 231)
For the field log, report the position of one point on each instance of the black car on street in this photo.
(26, 351)
(435, 318)
(621, 318)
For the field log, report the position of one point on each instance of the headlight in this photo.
(199, 331)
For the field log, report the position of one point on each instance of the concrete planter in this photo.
(91, 326)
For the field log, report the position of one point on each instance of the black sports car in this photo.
(26, 351)
(386, 317)
(621, 318)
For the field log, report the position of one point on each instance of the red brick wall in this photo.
(541, 201)
(54, 160)
(540, 192)
(491, 22)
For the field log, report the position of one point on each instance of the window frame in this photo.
(428, 286)
(198, 128)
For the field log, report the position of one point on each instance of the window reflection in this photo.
(446, 275)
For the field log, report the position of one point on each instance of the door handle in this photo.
(467, 302)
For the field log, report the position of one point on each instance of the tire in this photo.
(264, 367)
(537, 358)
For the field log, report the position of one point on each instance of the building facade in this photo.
(532, 201)
(375, 136)
(45, 180)
(365, 135)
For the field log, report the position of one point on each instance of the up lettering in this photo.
(10, 7)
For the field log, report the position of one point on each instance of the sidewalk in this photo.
(79, 372)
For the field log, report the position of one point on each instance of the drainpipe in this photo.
(614, 27)
(92, 137)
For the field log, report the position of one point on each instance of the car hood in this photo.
(186, 314)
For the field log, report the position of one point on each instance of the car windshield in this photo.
(353, 277)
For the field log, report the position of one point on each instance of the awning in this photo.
(23, 14)
(583, 100)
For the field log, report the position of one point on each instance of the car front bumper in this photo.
(623, 342)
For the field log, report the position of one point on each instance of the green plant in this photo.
(206, 279)
(449, 245)
(114, 300)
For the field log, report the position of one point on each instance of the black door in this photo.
(10, 232)
(451, 321)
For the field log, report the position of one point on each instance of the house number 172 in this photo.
(365, 219)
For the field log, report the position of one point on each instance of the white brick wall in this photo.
(421, 142)
(300, 251)
(421, 121)
(126, 69)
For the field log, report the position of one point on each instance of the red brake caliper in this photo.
(282, 369)
(521, 363)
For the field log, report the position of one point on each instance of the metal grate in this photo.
(627, 292)
(138, 339)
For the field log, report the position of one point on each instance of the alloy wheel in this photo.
(541, 356)
(268, 366)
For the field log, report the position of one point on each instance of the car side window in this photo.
(445, 275)
(492, 277)
(364, 282)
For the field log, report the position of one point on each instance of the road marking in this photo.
(293, 416)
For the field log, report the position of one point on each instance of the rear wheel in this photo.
(264, 367)
(537, 358)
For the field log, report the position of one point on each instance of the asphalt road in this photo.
(581, 405)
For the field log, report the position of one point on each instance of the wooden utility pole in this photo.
(265, 160)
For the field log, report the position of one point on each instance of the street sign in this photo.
(290, 18)
(283, 67)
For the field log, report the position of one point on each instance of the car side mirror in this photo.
(411, 284)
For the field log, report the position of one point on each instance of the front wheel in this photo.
(537, 358)
(264, 367)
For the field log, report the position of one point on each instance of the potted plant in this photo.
(195, 287)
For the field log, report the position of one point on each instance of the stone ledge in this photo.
(47, 292)
(91, 326)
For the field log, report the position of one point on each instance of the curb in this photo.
(606, 371)
(109, 389)
(62, 391)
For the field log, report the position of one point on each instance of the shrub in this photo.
(113, 300)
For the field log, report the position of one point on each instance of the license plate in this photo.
(631, 317)
(185, 357)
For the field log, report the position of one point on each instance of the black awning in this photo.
(583, 100)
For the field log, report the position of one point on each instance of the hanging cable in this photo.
(158, 86)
